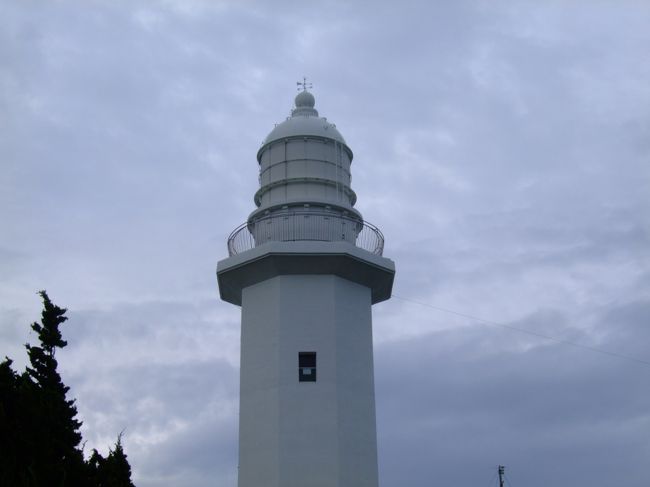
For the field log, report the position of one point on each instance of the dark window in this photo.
(307, 366)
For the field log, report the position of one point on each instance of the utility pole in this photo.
(502, 471)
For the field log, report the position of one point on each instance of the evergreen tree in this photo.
(56, 457)
(112, 471)
(15, 430)
(39, 430)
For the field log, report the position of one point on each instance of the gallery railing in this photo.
(306, 226)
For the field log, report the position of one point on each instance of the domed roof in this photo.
(304, 121)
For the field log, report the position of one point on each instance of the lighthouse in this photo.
(306, 269)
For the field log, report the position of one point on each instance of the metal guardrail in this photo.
(306, 226)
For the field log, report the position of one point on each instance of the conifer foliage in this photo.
(39, 429)
(112, 471)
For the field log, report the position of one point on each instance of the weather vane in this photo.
(304, 84)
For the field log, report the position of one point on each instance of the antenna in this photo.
(502, 471)
(304, 84)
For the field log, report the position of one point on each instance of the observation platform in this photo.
(315, 226)
(305, 243)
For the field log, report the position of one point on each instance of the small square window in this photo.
(307, 366)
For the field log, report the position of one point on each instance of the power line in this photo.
(527, 332)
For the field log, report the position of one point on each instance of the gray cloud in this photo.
(467, 402)
(501, 149)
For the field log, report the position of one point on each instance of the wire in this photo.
(527, 332)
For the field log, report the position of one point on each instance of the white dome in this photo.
(304, 122)
(300, 125)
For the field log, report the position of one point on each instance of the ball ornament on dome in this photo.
(304, 99)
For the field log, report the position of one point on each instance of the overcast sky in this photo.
(502, 147)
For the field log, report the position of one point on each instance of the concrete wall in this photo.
(307, 434)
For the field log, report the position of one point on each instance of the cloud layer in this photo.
(503, 151)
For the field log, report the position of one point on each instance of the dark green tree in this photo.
(15, 429)
(57, 458)
(112, 471)
(39, 429)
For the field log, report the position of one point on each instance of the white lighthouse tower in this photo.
(305, 269)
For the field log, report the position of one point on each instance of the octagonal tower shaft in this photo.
(306, 269)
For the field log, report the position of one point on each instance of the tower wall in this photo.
(307, 434)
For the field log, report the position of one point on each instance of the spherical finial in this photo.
(304, 99)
